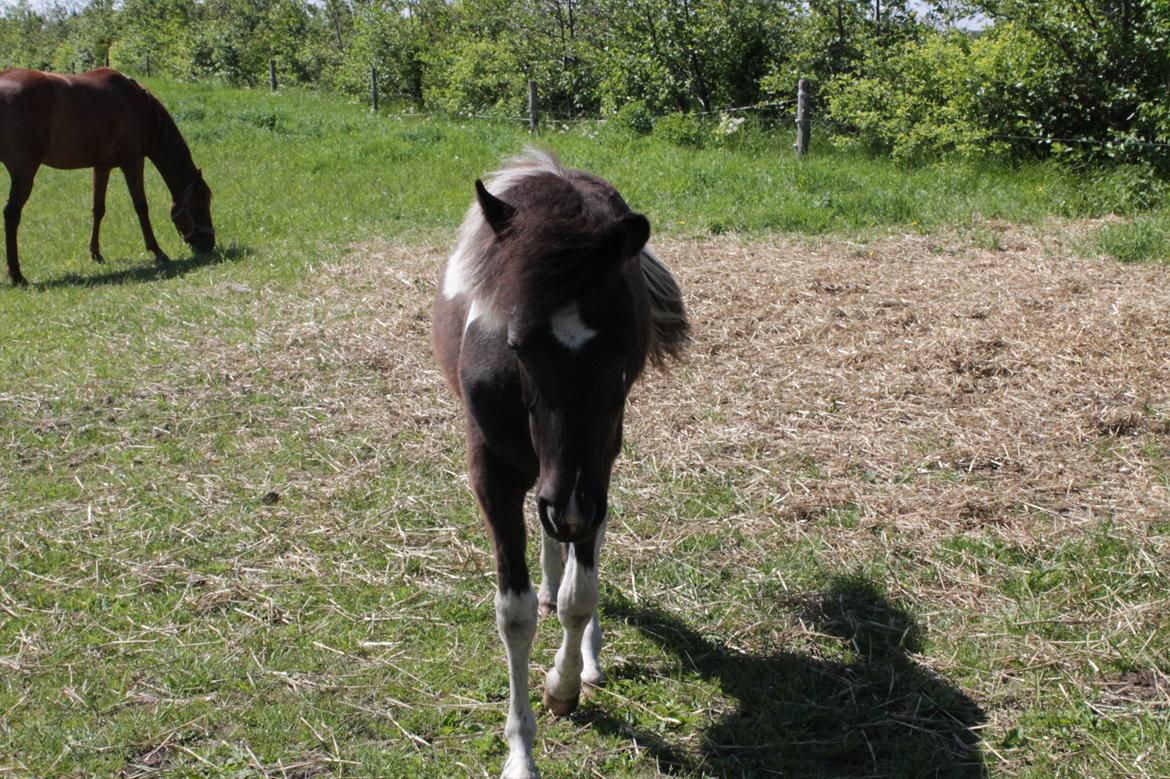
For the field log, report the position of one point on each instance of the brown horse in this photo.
(100, 120)
(550, 307)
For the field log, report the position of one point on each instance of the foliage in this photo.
(681, 130)
(1066, 78)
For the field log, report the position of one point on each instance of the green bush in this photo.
(682, 130)
(635, 117)
(915, 103)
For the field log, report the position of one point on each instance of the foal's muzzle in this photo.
(574, 522)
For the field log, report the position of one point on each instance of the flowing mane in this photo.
(575, 211)
(169, 150)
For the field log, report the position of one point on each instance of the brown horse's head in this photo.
(192, 215)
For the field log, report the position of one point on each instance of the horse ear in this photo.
(496, 211)
(635, 230)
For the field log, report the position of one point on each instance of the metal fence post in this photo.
(272, 74)
(374, 90)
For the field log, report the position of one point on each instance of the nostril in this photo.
(548, 513)
(592, 508)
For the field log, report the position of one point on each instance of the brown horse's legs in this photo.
(133, 173)
(101, 177)
(18, 192)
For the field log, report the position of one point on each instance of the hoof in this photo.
(589, 690)
(96, 257)
(559, 708)
(161, 258)
(19, 281)
(547, 609)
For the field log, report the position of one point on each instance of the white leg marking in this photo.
(576, 609)
(552, 567)
(591, 673)
(569, 328)
(516, 621)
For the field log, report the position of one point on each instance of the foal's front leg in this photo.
(552, 568)
(577, 659)
(500, 490)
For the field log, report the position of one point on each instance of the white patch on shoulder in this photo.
(569, 328)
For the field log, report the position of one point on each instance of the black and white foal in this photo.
(550, 306)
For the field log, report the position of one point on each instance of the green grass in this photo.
(232, 545)
(1145, 238)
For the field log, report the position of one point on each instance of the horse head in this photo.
(576, 346)
(191, 215)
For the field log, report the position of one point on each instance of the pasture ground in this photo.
(902, 512)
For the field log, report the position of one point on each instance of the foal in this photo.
(550, 306)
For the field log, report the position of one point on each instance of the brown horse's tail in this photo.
(670, 330)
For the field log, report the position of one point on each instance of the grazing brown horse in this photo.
(100, 120)
(550, 306)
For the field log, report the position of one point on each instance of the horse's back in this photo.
(100, 118)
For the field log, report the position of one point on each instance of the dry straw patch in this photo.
(926, 385)
(842, 373)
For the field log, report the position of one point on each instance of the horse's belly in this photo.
(81, 148)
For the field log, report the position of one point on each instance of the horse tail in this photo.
(670, 331)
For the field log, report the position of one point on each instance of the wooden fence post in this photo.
(533, 107)
(374, 89)
(272, 74)
(803, 119)
(148, 65)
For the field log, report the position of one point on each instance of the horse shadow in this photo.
(154, 271)
(878, 714)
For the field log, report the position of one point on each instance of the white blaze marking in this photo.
(569, 329)
(480, 312)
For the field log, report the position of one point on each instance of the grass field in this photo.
(905, 511)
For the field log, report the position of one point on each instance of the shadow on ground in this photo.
(153, 271)
(881, 714)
